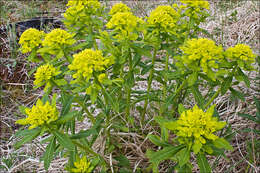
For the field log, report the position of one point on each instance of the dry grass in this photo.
(16, 89)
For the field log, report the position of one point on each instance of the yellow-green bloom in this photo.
(82, 166)
(241, 53)
(44, 74)
(88, 61)
(119, 7)
(164, 18)
(201, 53)
(57, 39)
(194, 127)
(30, 39)
(78, 16)
(40, 114)
(125, 23)
(102, 77)
(201, 4)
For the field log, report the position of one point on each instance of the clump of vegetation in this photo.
(100, 60)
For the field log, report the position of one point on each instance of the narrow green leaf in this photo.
(192, 78)
(66, 101)
(197, 95)
(237, 94)
(165, 153)
(181, 108)
(29, 136)
(203, 163)
(183, 156)
(48, 155)
(222, 143)
(226, 84)
(245, 78)
(64, 140)
(157, 140)
(67, 117)
(250, 117)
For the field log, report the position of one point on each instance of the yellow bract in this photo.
(125, 23)
(196, 126)
(40, 114)
(57, 39)
(82, 166)
(88, 61)
(203, 53)
(119, 7)
(242, 52)
(196, 4)
(164, 17)
(30, 39)
(44, 73)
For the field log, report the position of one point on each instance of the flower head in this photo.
(164, 17)
(57, 39)
(125, 23)
(194, 127)
(242, 54)
(201, 53)
(88, 61)
(82, 166)
(119, 7)
(30, 39)
(201, 4)
(44, 74)
(40, 114)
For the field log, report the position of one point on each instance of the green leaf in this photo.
(245, 78)
(123, 161)
(203, 163)
(197, 95)
(222, 143)
(181, 108)
(66, 101)
(164, 154)
(226, 84)
(69, 116)
(192, 78)
(250, 117)
(187, 168)
(64, 140)
(237, 94)
(171, 125)
(157, 140)
(29, 135)
(49, 153)
(183, 156)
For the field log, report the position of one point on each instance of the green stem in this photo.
(90, 116)
(150, 79)
(212, 98)
(128, 99)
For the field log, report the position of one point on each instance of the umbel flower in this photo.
(57, 39)
(119, 7)
(241, 53)
(78, 15)
(30, 39)
(201, 4)
(200, 54)
(82, 165)
(124, 24)
(44, 74)
(194, 127)
(88, 61)
(164, 18)
(40, 114)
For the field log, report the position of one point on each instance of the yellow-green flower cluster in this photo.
(30, 39)
(57, 39)
(88, 61)
(44, 74)
(82, 166)
(119, 7)
(164, 18)
(241, 53)
(78, 15)
(125, 23)
(194, 127)
(201, 53)
(40, 114)
(201, 4)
